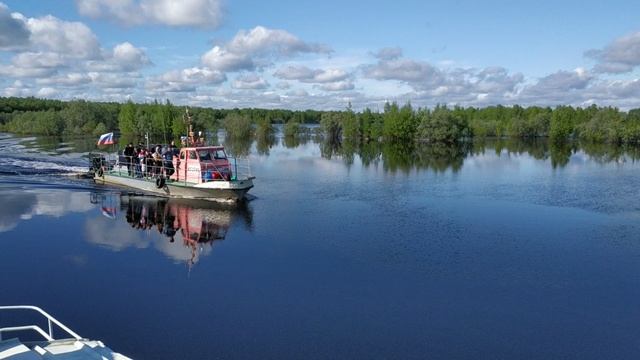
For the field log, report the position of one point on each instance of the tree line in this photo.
(449, 125)
(394, 124)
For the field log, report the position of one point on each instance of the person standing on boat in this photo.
(157, 160)
(141, 162)
(128, 153)
(167, 155)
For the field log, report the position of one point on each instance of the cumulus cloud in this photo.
(186, 13)
(70, 79)
(561, 81)
(389, 53)
(223, 60)
(620, 56)
(64, 59)
(257, 48)
(435, 85)
(47, 92)
(13, 31)
(17, 88)
(496, 80)
(106, 81)
(324, 79)
(418, 74)
(20, 71)
(129, 57)
(123, 57)
(250, 82)
(337, 86)
(305, 74)
(184, 80)
(74, 39)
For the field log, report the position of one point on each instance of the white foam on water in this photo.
(40, 165)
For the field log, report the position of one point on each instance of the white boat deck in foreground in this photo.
(72, 347)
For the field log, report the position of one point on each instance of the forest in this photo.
(395, 124)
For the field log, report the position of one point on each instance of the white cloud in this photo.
(337, 86)
(327, 80)
(418, 74)
(73, 39)
(13, 30)
(250, 82)
(263, 40)
(106, 81)
(185, 80)
(65, 60)
(47, 92)
(389, 53)
(185, 13)
(621, 56)
(69, 79)
(17, 88)
(305, 74)
(283, 85)
(15, 71)
(560, 82)
(258, 48)
(222, 60)
(39, 60)
(295, 72)
(129, 57)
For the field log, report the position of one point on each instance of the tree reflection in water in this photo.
(404, 157)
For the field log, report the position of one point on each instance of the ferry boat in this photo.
(46, 346)
(196, 172)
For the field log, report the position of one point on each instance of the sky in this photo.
(323, 55)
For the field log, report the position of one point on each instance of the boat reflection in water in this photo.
(184, 230)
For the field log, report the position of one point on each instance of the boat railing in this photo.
(241, 168)
(48, 335)
(151, 169)
(238, 169)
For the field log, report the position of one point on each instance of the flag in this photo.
(109, 212)
(106, 139)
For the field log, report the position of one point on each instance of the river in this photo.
(501, 249)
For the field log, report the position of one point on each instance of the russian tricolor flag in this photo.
(109, 212)
(106, 139)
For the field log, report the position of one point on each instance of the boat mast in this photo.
(187, 120)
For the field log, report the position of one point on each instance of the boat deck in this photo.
(14, 349)
(71, 347)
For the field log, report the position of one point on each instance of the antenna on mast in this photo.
(187, 120)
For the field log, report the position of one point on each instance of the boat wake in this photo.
(25, 166)
(20, 159)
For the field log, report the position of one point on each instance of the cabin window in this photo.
(192, 155)
(181, 155)
(204, 155)
(219, 154)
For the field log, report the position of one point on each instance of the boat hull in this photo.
(234, 190)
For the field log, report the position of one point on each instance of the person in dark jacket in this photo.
(128, 153)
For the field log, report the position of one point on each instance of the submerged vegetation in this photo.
(395, 124)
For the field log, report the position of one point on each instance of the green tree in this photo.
(399, 123)
(350, 125)
(562, 123)
(441, 125)
(237, 126)
(127, 118)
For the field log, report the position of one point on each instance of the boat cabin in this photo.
(201, 164)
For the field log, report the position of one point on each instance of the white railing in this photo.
(242, 168)
(50, 321)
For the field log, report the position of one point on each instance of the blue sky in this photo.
(323, 55)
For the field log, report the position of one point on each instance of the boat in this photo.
(45, 345)
(197, 171)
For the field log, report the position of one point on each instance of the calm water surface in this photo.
(498, 250)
